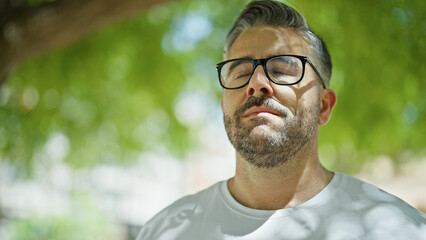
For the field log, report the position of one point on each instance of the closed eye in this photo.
(243, 75)
(279, 73)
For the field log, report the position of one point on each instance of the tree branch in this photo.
(28, 31)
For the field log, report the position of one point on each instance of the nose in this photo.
(259, 84)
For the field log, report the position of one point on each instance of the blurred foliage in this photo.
(37, 2)
(83, 223)
(114, 93)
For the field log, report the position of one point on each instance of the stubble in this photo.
(275, 144)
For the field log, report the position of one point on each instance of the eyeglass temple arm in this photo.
(317, 72)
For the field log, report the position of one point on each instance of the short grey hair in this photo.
(277, 14)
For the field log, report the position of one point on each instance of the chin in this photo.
(261, 130)
(264, 133)
(264, 125)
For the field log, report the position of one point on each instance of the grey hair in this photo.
(274, 13)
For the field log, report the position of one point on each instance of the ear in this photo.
(328, 101)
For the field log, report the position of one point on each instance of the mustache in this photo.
(264, 101)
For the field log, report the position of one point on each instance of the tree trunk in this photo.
(27, 31)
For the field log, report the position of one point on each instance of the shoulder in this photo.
(357, 208)
(177, 216)
(375, 202)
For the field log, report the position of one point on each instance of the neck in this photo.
(285, 186)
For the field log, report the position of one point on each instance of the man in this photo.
(276, 95)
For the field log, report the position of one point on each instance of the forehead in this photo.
(266, 41)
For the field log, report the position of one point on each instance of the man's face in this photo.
(268, 123)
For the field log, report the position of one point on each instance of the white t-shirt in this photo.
(346, 208)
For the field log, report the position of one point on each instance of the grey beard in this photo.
(277, 146)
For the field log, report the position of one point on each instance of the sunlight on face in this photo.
(268, 140)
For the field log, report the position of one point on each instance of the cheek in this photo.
(287, 97)
(231, 101)
(309, 101)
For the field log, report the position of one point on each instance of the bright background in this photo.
(98, 136)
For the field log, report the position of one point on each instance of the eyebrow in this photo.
(234, 65)
(287, 61)
(248, 57)
(251, 57)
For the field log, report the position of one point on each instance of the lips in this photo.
(260, 110)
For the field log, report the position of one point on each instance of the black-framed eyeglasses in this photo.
(281, 70)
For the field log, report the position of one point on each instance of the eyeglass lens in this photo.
(281, 70)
